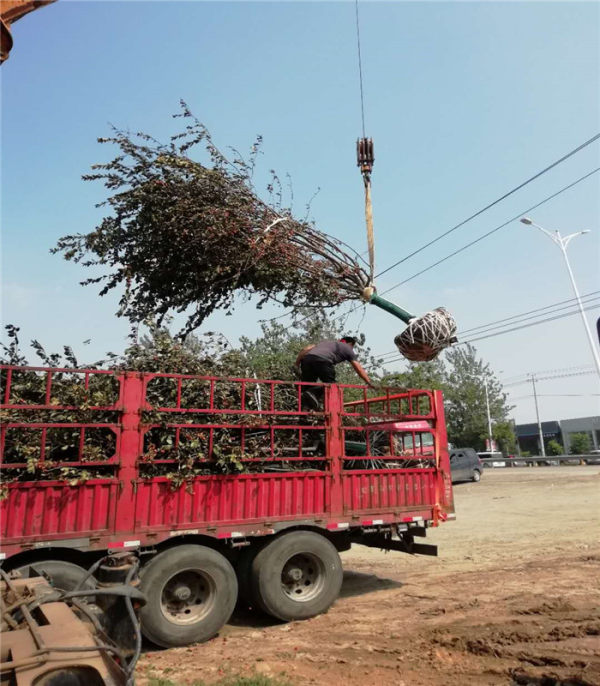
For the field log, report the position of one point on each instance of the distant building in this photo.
(581, 425)
(528, 436)
(561, 431)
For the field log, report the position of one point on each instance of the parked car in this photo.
(595, 459)
(465, 465)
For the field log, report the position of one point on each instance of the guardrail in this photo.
(549, 460)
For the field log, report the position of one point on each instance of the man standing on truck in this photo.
(317, 363)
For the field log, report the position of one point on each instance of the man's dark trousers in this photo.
(313, 370)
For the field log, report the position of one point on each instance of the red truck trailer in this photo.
(141, 472)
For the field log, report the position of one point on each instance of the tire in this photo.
(191, 592)
(476, 475)
(243, 570)
(64, 576)
(296, 576)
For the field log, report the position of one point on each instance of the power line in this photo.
(516, 328)
(547, 378)
(538, 309)
(477, 240)
(579, 367)
(522, 318)
(526, 326)
(492, 325)
(495, 202)
(489, 233)
(553, 395)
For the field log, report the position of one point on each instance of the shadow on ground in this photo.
(358, 583)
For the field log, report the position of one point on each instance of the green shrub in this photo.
(554, 448)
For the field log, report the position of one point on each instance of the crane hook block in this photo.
(365, 156)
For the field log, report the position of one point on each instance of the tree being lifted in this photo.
(183, 236)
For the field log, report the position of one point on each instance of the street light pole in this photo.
(563, 242)
(489, 418)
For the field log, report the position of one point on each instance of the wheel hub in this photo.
(182, 592)
(293, 574)
(303, 577)
(187, 597)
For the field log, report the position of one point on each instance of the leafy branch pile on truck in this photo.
(179, 460)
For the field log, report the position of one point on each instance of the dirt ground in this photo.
(513, 598)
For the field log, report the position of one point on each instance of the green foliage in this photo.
(185, 236)
(581, 444)
(554, 448)
(272, 355)
(504, 435)
(269, 356)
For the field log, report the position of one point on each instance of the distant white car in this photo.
(496, 456)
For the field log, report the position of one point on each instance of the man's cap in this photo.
(349, 339)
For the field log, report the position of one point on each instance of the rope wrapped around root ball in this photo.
(425, 337)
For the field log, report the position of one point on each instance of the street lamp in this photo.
(563, 242)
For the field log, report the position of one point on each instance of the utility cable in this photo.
(539, 309)
(495, 202)
(477, 332)
(485, 235)
(516, 377)
(489, 233)
(516, 328)
(557, 395)
(526, 326)
(483, 327)
(549, 378)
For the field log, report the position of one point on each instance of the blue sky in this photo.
(464, 101)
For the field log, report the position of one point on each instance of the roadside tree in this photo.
(580, 444)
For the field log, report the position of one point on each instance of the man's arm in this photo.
(302, 353)
(361, 372)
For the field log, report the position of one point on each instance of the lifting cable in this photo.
(365, 159)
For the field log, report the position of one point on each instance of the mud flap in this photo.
(404, 544)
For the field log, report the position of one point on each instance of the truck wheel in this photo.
(297, 576)
(64, 576)
(243, 569)
(191, 592)
(476, 475)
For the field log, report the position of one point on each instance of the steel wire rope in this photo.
(360, 75)
(495, 202)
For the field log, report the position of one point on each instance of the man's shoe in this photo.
(310, 400)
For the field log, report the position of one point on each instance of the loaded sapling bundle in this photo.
(185, 236)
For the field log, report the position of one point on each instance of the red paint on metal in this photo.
(127, 508)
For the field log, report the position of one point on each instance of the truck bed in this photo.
(126, 496)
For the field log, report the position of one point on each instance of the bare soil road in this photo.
(513, 598)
